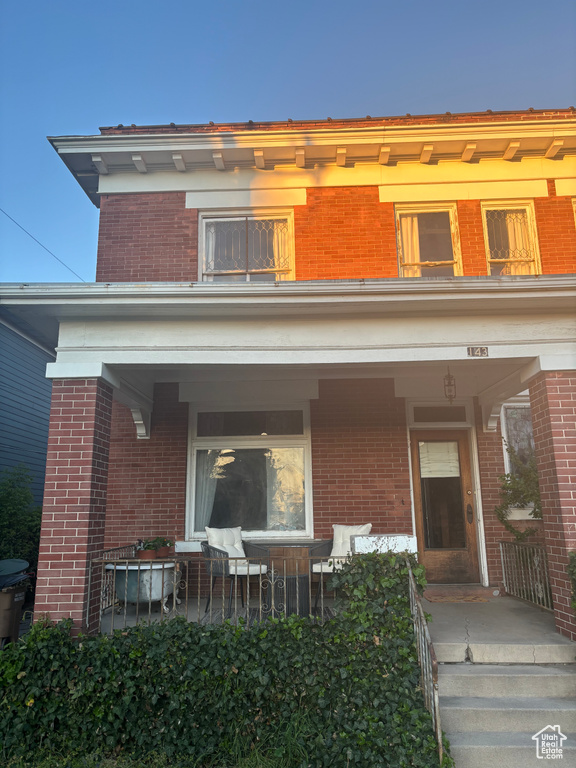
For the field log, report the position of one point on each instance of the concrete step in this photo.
(497, 680)
(506, 653)
(504, 750)
(469, 714)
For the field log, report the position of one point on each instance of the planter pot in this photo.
(163, 552)
(146, 554)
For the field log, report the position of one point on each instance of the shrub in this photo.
(19, 518)
(285, 692)
(519, 488)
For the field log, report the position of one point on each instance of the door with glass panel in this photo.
(444, 505)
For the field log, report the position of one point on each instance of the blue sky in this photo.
(70, 67)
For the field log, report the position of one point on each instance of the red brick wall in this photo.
(553, 403)
(360, 457)
(74, 495)
(147, 478)
(472, 238)
(556, 232)
(344, 233)
(147, 237)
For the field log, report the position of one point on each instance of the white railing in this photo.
(525, 572)
(427, 660)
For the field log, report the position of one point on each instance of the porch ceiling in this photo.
(416, 379)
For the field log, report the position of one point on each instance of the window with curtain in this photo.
(517, 433)
(510, 241)
(427, 243)
(246, 248)
(249, 471)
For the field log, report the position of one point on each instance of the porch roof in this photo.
(38, 308)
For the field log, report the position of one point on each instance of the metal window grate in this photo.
(509, 235)
(246, 246)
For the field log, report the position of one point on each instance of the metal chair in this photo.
(330, 555)
(219, 564)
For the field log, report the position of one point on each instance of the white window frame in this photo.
(504, 205)
(241, 213)
(415, 208)
(196, 443)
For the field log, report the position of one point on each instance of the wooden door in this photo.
(444, 506)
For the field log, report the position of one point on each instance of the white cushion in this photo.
(228, 539)
(341, 545)
(327, 566)
(238, 568)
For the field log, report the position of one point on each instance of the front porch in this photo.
(351, 412)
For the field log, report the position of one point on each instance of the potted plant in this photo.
(163, 546)
(146, 549)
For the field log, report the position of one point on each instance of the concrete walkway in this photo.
(505, 678)
(496, 630)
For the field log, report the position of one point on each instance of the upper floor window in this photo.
(510, 237)
(428, 244)
(250, 247)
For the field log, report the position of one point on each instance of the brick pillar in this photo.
(74, 497)
(553, 402)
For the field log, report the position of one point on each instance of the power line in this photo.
(42, 246)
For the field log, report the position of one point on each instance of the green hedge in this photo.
(300, 694)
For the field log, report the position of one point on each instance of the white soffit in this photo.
(479, 190)
(249, 392)
(246, 198)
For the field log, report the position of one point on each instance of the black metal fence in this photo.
(206, 590)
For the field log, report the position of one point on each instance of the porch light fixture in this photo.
(449, 387)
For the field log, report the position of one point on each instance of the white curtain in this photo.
(439, 459)
(279, 244)
(518, 244)
(285, 489)
(410, 244)
(206, 479)
(209, 246)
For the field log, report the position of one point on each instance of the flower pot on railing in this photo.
(163, 552)
(146, 554)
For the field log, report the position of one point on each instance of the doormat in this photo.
(455, 599)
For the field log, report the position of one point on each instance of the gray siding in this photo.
(24, 405)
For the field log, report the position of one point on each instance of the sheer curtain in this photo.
(285, 489)
(518, 243)
(410, 244)
(206, 479)
(279, 246)
(209, 246)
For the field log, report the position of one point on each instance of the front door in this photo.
(444, 505)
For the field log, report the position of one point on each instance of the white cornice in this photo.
(223, 152)
(304, 137)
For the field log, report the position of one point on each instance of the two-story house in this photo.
(302, 323)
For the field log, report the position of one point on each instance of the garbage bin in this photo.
(11, 605)
(13, 584)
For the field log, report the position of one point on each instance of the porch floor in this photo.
(128, 614)
(496, 630)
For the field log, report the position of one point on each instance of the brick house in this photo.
(303, 323)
